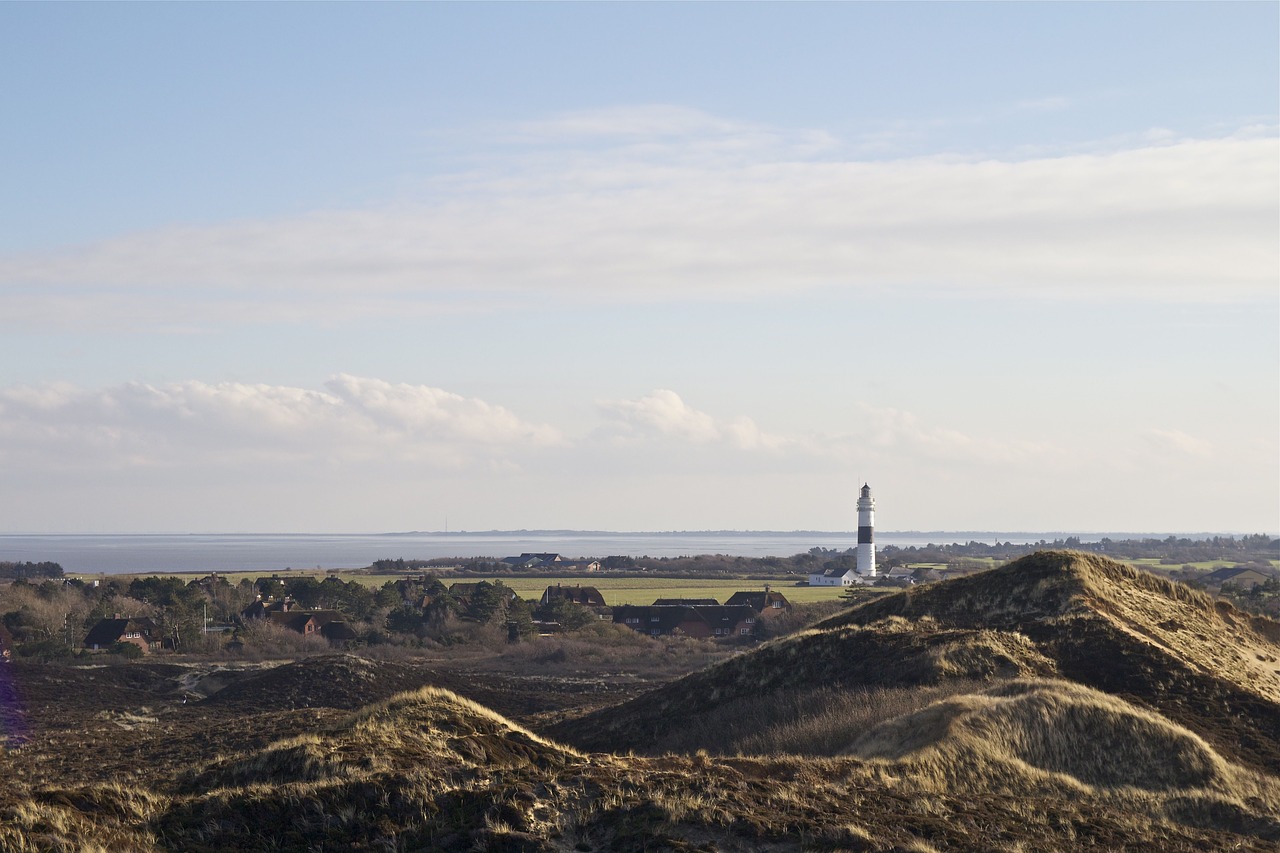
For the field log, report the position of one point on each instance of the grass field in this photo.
(645, 590)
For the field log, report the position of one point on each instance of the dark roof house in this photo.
(260, 609)
(329, 624)
(766, 602)
(587, 596)
(686, 602)
(140, 631)
(703, 621)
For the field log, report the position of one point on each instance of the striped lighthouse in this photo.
(866, 523)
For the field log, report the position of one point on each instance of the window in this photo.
(744, 631)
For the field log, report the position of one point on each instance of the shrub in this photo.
(129, 651)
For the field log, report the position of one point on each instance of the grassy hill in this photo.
(1068, 615)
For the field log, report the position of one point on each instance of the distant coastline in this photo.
(119, 553)
(944, 536)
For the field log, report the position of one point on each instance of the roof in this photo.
(296, 620)
(758, 599)
(838, 573)
(1237, 573)
(338, 630)
(686, 602)
(588, 596)
(666, 618)
(108, 631)
(528, 560)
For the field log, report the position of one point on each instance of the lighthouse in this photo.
(866, 522)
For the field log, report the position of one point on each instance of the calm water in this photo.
(114, 554)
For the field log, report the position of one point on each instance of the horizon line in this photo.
(671, 532)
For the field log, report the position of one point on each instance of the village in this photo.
(561, 608)
(291, 612)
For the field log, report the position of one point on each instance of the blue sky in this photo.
(351, 267)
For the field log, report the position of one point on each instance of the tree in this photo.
(520, 614)
(406, 620)
(488, 601)
(571, 615)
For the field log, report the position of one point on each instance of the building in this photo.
(701, 622)
(262, 608)
(141, 632)
(864, 571)
(587, 596)
(329, 624)
(534, 561)
(866, 525)
(579, 565)
(1244, 577)
(767, 603)
(834, 577)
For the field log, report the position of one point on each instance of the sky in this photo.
(391, 267)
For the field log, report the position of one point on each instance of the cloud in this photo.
(1172, 442)
(661, 414)
(879, 434)
(888, 432)
(672, 205)
(195, 425)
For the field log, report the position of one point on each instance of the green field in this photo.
(645, 590)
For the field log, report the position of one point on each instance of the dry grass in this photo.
(1058, 739)
(91, 819)
(429, 725)
(892, 654)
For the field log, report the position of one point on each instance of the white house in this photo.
(835, 577)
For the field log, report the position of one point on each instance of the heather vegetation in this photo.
(1064, 701)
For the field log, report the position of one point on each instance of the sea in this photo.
(234, 552)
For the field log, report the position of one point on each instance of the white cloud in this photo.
(661, 414)
(1172, 442)
(883, 435)
(887, 432)
(361, 452)
(688, 206)
(194, 425)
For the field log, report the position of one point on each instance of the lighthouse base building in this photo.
(865, 572)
